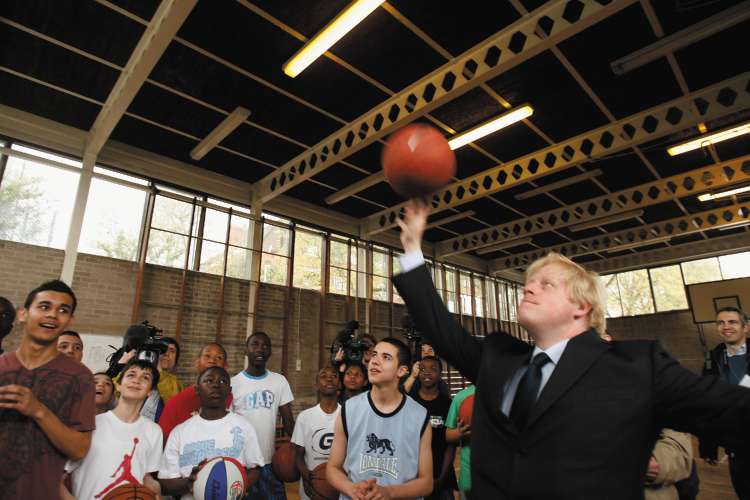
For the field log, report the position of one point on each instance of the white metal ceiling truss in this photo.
(712, 102)
(696, 181)
(658, 232)
(522, 40)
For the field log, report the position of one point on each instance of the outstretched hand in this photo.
(413, 225)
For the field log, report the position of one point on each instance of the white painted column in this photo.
(76, 219)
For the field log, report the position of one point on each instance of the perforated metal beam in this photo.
(694, 182)
(697, 250)
(718, 100)
(738, 213)
(522, 40)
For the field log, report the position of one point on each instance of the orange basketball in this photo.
(283, 463)
(130, 492)
(417, 161)
(466, 410)
(321, 488)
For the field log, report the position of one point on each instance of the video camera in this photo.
(354, 349)
(146, 339)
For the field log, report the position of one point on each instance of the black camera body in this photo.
(147, 341)
(354, 349)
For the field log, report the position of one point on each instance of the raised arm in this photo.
(426, 307)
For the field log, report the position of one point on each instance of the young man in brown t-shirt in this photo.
(47, 404)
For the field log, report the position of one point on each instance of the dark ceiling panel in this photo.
(235, 166)
(52, 64)
(144, 9)
(622, 171)
(561, 108)
(259, 144)
(513, 142)
(468, 110)
(368, 157)
(402, 57)
(688, 238)
(592, 51)
(244, 35)
(489, 211)
(457, 27)
(733, 148)
(580, 191)
(466, 225)
(43, 101)
(383, 194)
(528, 206)
(676, 15)
(107, 35)
(661, 211)
(339, 176)
(469, 161)
(548, 239)
(437, 234)
(672, 165)
(172, 110)
(302, 15)
(714, 59)
(185, 70)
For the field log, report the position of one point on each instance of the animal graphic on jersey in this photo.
(381, 444)
(125, 466)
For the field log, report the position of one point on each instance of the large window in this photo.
(173, 222)
(614, 303)
(113, 218)
(700, 271)
(396, 270)
(36, 199)
(735, 266)
(635, 293)
(380, 282)
(669, 292)
(451, 291)
(478, 296)
(464, 281)
(229, 232)
(308, 249)
(274, 262)
(338, 272)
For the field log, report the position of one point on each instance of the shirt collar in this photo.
(554, 352)
(740, 352)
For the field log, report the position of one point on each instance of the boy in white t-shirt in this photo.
(214, 432)
(313, 431)
(259, 395)
(125, 447)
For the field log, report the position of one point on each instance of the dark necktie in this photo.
(527, 391)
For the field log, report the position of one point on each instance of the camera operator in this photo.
(144, 341)
(348, 350)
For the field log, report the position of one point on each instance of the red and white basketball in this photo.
(221, 478)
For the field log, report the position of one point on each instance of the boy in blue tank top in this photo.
(381, 445)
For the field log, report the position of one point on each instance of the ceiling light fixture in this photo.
(723, 194)
(344, 22)
(709, 139)
(491, 126)
(222, 130)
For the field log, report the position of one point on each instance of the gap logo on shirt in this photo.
(193, 453)
(378, 457)
(258, 399)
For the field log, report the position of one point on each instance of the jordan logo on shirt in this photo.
(373, 461)
(125, 466)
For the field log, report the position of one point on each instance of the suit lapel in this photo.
(496, 377)
(579, 355)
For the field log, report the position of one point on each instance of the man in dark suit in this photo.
(573, 416)
(730, 361)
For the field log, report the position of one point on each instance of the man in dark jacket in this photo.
(572, 416)
(730, 362)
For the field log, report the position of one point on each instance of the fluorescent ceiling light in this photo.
(503, 246)
(491, 126)
(231, 122)
(344, 22)
(632, 214)
(723, 194)
(709, 139)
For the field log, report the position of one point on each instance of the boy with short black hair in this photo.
(437, 406)
(70, 344)
(381, 446)
(46, 399)
(313, 431)
(259, 395)
(186, 403)
(125, 447)
(214, 432)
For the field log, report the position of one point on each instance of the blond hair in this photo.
(584, 287)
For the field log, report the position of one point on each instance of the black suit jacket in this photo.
(591, 432)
